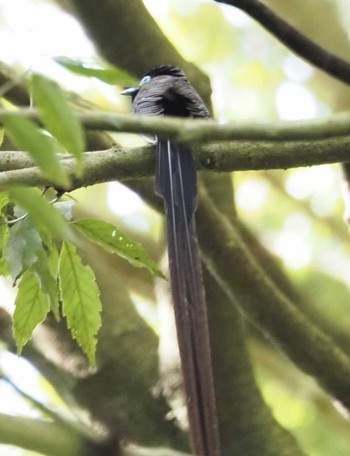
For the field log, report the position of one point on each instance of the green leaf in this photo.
(43, 214)
(4, 200)
(23, 247)
(109, 75)
(113, 240)
(53, 259)
(57, 116)
(43, 149)
(80, 298)
(47, 280)
(32, 306)
(4, 235)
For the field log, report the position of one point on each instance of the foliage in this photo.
(109, 75)
(58, 118)
(113, 240)
(28, 249)
(26, 135)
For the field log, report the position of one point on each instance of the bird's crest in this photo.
(166, 70)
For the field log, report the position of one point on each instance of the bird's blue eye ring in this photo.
(145, 79)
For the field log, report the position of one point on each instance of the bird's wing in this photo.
(168, 95)
(183, 90)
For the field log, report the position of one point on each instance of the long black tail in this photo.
(176, 182)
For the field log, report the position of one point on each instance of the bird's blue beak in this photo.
(131, 91)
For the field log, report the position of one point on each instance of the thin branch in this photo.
(294, 40)
(197, 130)
(50, 438)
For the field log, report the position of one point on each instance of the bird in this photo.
(166, 91)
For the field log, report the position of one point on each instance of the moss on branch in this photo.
(17, 168)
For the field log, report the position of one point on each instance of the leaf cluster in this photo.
(39, 245)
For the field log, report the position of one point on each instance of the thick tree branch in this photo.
(236, 390)
(294, 40)
(16, 168)
(251, 289)
(267, 146)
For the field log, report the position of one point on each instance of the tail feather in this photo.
(176, 182)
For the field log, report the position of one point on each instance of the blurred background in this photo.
(296, 214)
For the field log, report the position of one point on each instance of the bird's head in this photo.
(159, 70)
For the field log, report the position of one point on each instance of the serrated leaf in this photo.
(109, 75)
(43, 149)
(32, 306)
(23, 247)
(47, 280)
(43, 214)
(80, 299)
(57, 116)
(113, 240)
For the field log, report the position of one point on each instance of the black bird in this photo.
(165, 90)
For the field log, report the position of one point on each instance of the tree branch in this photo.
(49, 438)
(249, 287)
(53, 439)
(236, 389)
(294, 40)
(268, 146)
(17, 168)
(198, 130)
(261, 146)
